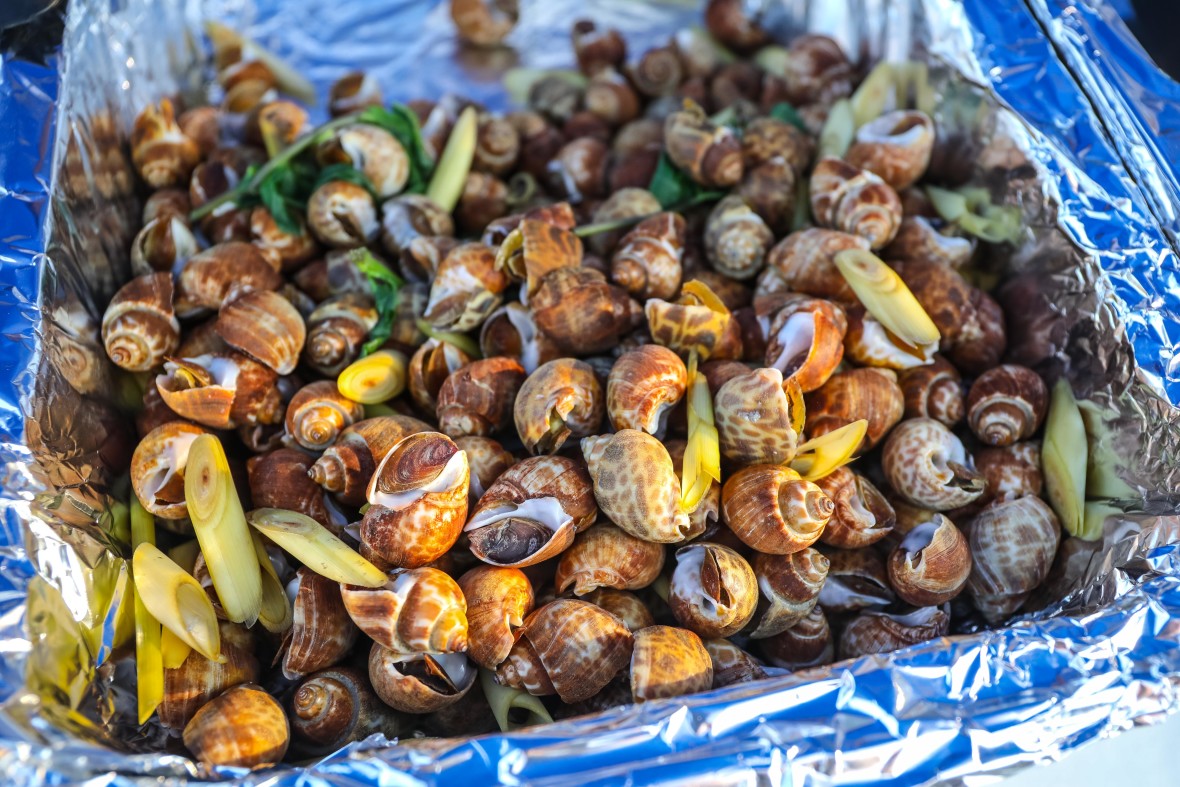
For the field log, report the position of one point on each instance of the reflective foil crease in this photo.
(1093, 291)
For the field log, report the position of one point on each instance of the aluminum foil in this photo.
(1090, 294)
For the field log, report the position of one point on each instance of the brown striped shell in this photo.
(789, 587)
(771, 509)
(808, 643)
(918, 240)
(862, 515)
(708, 153)
(342, 215)
(198, 680)
(163, 155)
(805, 340)
(410, 216)
(931, 564)
(266, 326)
(857, 580)
(511, 331)
(582, 313)
(853, 200)
(221, 391)
(882, 632)
(321, 633)
(624, 605)
(318, 413)
(668, 662)
(139, 327)
(1006, 404)
(478, 398)
(560, 400)
(280, 479)
(606, 556)
(347, 465)
(430, 366)
(804, 262)
(245, 728)
(419, 682)
(466, 289)
(544, 246)
(646, 262)
(644, 385)
(220, 274)
(418, 610)
(487, 459)
(1013, 543)
(895, 146)
(736, 239)
(713, 591)
(817, 70)
(157, 468)
(933, 391)
(498, 600)
(731, 664)
(872, 394)
(689, 325)
(163, 245)
(337, 330)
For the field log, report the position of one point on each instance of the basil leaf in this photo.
(345, 172)
(786, 113)
(279, 192)
(669, 185)
(401, 121)
(385, 285)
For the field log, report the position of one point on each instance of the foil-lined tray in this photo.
(1091, 294)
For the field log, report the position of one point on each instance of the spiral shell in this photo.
(647, 260)
(1011, 471)
(410, 216)
(198, 679)
(804, 262)
(544, 247)
(139, 327)
(789, 588)
(532, 512)
(713, 591)
(264, 325)
(419, 682)
(806, 644)
(895, 146)
(220, 274)
(731, 664)
(856, 201)
(417, 501)
(430, 366)
(872, 394)
(1006, 404)
(479, 397)
(318, 413)
(245, 727)
(581, 312)
(1013, 543)
(292, 249)
(643, 387)
(918, 240)
(569, 648)
(862, 515)
(342, 214)
(668, 662)
(561, 399)
(882, 632)
(487, 459)
(769, 190)
(420, 610)
(927, 465)
(931, 564)
(578, 170)
(766, 139)
(636, 486)
(817, 70)
(338, 706)
(597, 48)
(736, 239)
(805, 340)
(279, 479)
(606, 556)
(466, 288)
(164, 244)
(221, 391)
(321, 632)
(611, 97)
(157, 468)
(709, 154)
(347, 465)
(758, 418)
(161, 152)
(498, 600)
(373, 151)
(933, 391)
(771, 509)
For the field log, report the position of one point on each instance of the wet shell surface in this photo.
(668, 662)
(927, 465)
(643, 387)
(636, 486)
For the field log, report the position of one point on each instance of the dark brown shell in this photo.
(710, 154)
(612, 98)
(279, 479)
(430, 366)
(511, 331)
(862, 517)
(880, 632)
(1006, 404)
(857, 580)
(869, 393)
(321, 633)
(658, 72)
(732, 23)
(597, 48)
(221, 273)
(817, 71)
(933, 391)
(198, 680)
(338, 706)
(581, 312)
(478, 398)
(806, 644)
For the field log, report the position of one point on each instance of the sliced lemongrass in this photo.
(460, 340)
(316, 547)
(149, 661)
(176, 600)
(143, 524)
(275, 615)
(220, 526)
(801, 219)
(272, 136)
(1094, 517)
(1104, 461)
(705, 295)
(796, 405)
(821, 455)
(289, 80)
(446, 185)
(185, 554)
(773, 59)
(377, 410)
(950, 205)
(702, 455)
(874, 94)
(918, 79)
(375, 378)
(114, 521)
(511, 244)
(839, 128)
(173, 649)
(886, 297)
(503, 699)
(1064, 455)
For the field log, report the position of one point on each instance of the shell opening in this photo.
(795, 340)
(445, 673)
(923, 616)
(686, 581)
(514, 532)
(521, 320)
(886, 347)
(918, 539)
(845, 592)
(450, 475)
(293, 588)
(171, 461)
(856, 504)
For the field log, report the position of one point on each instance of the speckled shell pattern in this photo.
(847, 198)
(879, 632)
(927, 465)
(668, 662)
(321, 633)
(498, 600)
(869, 393)
(139, 327)
(862, 515)
(1013, 543)
(636, 486)
(814, 365)
(567, 647)
(646, 261)
(477, 399)
(643, 386)
(624, 605)
(607, 556)
(417, 501)
(466, 289)
(1006, 404)
(420, 610)
(1011, 471)
(757, 423)
(933, 391)
(928, 573)
(736, 239)
(560, 400)
(771, 509)
(689, 326)
(789, 587)
(731, 664)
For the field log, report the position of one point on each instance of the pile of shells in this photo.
(520, 460)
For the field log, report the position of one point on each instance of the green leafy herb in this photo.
(971, 209)
(403, 124)
(385, 285)
(786, 113)
(674, 189)
(347, 173)
(460, 340)
(285, 191)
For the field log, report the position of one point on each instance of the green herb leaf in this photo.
(284, 193)
(401, 121)
(786, 113)
(460, 340)
(675, 190)
(347, 173)
(385, 285)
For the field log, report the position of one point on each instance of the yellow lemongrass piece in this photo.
(1105, 459)
(220, 526)
(176, 600)
(705, 295)
(836, 136)
(375, 378)
(773, 58)
(460, 340)
(662, 587)
(276, 614)
(446, 185)
(509, 246)
(821, 455)
(796, 405)
(174, 649)
(115, 521)
(702, 455)
(887, 297)
(378, 410)
(143, 524)
(948, 204)
(873, 95)
(149, 661)
(503, 699)
(289, 80)
(1064, 455)
(1094, 518)
(272, 136)
(801, 218)
(314, 546)
(185, 554)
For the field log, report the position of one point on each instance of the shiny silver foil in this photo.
(1091, 294)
